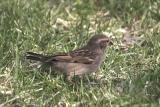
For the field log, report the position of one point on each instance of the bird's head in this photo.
(100, 40)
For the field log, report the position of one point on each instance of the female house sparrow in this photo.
(77, 62)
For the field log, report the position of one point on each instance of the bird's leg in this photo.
(80, 76)
(69, 78)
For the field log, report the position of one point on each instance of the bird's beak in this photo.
(110, 43)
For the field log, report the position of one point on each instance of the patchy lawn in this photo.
(130, 75)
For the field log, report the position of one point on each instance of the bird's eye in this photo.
(107, 40)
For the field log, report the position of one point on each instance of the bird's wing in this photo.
(77, 56)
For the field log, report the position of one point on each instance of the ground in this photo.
(129, 76)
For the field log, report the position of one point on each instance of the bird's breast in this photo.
(75, 68)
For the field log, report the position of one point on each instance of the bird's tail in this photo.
(36, 57)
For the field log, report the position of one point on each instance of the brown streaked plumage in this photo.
(77, 62)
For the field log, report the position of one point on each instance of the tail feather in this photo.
(35, 56)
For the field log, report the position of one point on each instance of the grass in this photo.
(128, 78)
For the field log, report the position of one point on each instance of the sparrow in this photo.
(84, 60)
